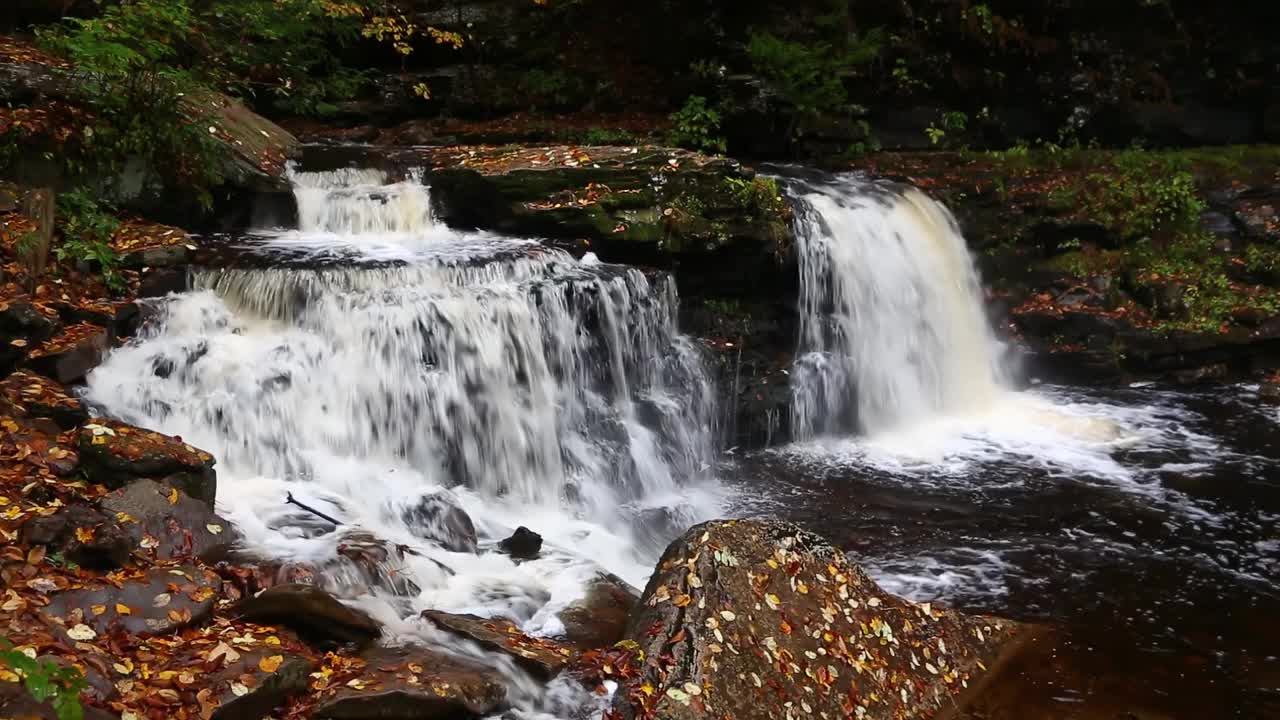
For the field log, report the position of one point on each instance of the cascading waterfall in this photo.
(892, 324)
(516, 383)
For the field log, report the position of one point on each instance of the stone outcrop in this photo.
(756, 619)
(115, 454)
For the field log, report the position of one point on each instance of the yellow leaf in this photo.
(173, 496)
(98, 609)
(270, 664)
(123, 609)
(84, 535)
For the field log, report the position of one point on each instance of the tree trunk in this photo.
(38, 206)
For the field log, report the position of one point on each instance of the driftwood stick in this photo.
(290, 499)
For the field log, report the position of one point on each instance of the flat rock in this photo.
(161, 519)
(542, 658)
(71, 354)
(758, 619)
(312, 612)
(84, 535)
(115, 454)
(151, 602)
(599, 619)
(409, 683)
(39, 396)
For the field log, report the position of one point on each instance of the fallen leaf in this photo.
(81, 632)
(270, 664)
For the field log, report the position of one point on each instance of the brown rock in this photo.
(409, 683)
(147, 604)
(249, 687)
(70, 355)
(115, 454)
(39, 396)
(749, 619)
(542, 658)
(312, 612)
(84, 535)
(600, 618)
(160, 519)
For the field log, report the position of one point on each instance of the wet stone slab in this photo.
(139, 603)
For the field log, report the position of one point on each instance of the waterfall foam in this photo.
(892, 326)
(517, 383)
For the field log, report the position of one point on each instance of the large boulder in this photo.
(115, 454)
(758, 619)
(163, 522)
(71, 354)
(412, 683)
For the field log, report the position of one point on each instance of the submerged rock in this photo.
(412, 683)
(160, 519)
(758, 619)
(543, 658)
(599, 619)
(312, 612)
(115, 454)
(524, 544)
(152, 602)
(439, 518)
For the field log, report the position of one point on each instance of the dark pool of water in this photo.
(1157, 563)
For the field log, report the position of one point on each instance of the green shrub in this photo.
(46, 680)
(87, 226)
(1142, 196)
(607, 136)
(697, 126)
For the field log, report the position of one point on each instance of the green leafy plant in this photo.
(46, 681)
(807, 74)
(697, 126)
(87, 226)
(759, 196)
(607, 136)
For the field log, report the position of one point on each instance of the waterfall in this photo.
(515, 382)
(892, 327)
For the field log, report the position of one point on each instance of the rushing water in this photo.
(513, 381)
(1143, 521)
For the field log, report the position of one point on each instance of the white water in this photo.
(892, 327)
(513, 381)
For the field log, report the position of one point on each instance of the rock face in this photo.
(599, 619)
(310, 611)
(159, 600)
(409, 683)
(542, 658)
(758, 619)
(160, 519)
(115, 454)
